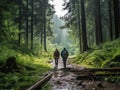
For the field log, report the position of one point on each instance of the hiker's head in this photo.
(64, 48)
(56, 49)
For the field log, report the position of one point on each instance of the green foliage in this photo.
(32, 68)
(8, 29)
(105, 55)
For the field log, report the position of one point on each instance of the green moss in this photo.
(100, 56)
(32, 69)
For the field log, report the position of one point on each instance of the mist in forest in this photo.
(61, 35)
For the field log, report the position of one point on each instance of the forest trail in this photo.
(63, 79)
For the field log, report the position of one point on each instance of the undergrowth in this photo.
(102, 56)
(32, 68)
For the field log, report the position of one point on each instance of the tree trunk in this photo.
(42, 24)
(27, 25)
(96, 76)
(99, 38)
(110, 20)
(84, 37)
(32, 24)
(44, 2)
(116, 18)
(38, 85)
(20, 23)
(79, 27)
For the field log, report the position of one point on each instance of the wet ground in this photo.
(64, 80)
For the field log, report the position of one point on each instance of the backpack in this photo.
(64, 54)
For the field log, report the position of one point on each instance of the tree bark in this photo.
(38, 85)
(91, 70)
(110, 20)
(80, 43)
(32, 24)
(84, 36)
(96, 76)
(42, 24)
(20, 23)
(116, 18)
(99, 38)
(44, 2)
(26, 24)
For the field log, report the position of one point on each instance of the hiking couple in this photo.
(64, 55)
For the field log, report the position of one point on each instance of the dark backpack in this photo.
(64, 54)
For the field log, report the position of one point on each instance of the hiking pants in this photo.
(56, 62)
(64, 62)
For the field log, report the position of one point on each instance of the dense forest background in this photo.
(34, 25)
(30, 31)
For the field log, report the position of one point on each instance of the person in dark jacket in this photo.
(56, 56)
(64, 55)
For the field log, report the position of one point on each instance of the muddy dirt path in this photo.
(64, 80)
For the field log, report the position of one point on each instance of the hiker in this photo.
(64, 55)
(56, 57)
